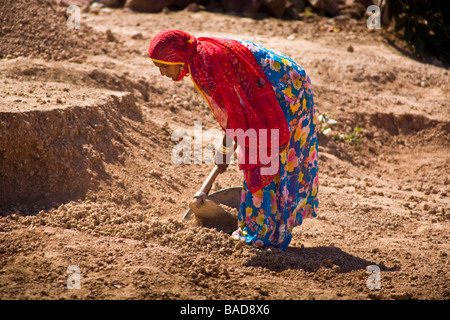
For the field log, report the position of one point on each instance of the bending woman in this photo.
(261, 94)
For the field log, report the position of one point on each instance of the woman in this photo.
(250, 88)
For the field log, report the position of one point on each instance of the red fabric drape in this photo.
(235, 87)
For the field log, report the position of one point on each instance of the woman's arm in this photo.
(224, 152)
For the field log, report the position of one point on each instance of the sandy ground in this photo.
(88, 181)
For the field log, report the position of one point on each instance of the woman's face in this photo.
(169, 70)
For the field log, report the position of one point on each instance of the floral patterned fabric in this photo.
(267, 216)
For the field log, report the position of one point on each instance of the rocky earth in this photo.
(87, 179)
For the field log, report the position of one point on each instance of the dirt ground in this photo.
(87, 177)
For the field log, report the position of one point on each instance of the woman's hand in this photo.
(223, 154)
(222, 161)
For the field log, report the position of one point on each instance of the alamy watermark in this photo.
(374, 281)
(191, 146)
(74, 280)
(374, 20)
(74, 19)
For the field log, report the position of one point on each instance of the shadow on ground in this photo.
(311, 259)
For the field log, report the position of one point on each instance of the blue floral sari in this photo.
(267, 217)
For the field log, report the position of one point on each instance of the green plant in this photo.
(324, 123)
(425, 24)
(354, 138)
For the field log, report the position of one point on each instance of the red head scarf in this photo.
(173, 47)
(237, 90)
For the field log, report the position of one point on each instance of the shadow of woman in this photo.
(311, 259)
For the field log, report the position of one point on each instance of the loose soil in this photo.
(87, 177)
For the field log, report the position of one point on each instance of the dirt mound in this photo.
(39, 29)
(42, 71)
(43, 149)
